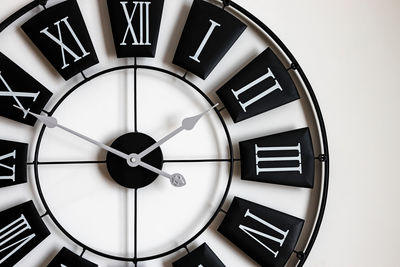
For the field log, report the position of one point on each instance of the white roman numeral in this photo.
(62, 265)
(63, 47)
(279, 169)
(15, 95)
(250, 231)
(276, 86)
(205, 40)
(12, 168)
(12, 231)
(144, 22)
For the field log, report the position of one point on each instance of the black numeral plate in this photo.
(266, 235)
(208, 35)
(262, 85)
(285, 158)
(69, 259)
(21, 230)
(135, 26)
(19, 88)
(61, 35)
(13, 163)
(201, 256)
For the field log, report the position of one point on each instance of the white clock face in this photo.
(70, 180)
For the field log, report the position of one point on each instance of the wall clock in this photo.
(155, 133)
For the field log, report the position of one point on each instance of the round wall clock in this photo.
(155, 133)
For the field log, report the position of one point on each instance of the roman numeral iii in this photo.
(285, 158)
(260, 159)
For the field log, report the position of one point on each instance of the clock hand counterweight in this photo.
(187, 124)
(176, 179)
(132, 159)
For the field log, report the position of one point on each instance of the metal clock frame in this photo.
(294, 65)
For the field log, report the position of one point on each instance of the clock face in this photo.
(155, 133)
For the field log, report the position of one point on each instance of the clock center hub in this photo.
(128, 173)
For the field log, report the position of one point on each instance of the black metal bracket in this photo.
(226, 3)
(322, 157)
(293, 66)
(300, 255)
(43, 3)
(19, 13)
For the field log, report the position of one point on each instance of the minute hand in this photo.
(187, 124)
(52, 122)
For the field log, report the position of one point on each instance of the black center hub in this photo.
(133, 177)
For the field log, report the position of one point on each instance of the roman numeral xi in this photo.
(64, 48)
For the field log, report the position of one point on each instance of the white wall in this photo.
(350, 52)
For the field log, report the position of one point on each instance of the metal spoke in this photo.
(135, 98)
(67, 162)
(197, 160)
(135, 226)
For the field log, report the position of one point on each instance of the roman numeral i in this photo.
(205, 40)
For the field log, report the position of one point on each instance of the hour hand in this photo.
(187, 124)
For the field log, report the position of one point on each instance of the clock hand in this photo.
(52, 122)
(187, 124)
(176, 179)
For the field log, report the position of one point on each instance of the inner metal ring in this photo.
(109, 256)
